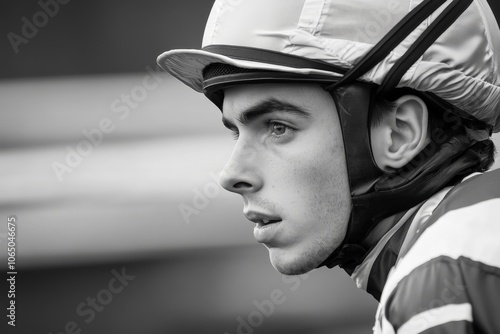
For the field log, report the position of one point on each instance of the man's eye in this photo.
(278, 129)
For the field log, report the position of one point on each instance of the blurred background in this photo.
(109, 166)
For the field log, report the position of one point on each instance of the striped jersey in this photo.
(438, 269)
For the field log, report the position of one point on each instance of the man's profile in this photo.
(362, 140)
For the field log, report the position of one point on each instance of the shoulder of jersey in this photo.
(453, 264)
(469, 207)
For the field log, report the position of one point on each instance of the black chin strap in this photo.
(347, 257)
(376, 195)
(438, 166)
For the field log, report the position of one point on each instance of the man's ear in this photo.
(401, 134)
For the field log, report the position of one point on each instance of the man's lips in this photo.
(267, 233)
(267, 225)
(261, 219)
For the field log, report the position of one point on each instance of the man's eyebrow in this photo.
(266, 107)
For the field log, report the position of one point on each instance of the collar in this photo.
(372, 273)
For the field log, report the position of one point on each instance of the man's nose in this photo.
(240, 174)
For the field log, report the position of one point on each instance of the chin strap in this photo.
(346, 257)
(401, 191)
(376, 195)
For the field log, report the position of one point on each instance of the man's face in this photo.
(289, 166)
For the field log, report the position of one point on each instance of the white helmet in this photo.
(428, 49)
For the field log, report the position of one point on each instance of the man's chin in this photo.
(291, 264)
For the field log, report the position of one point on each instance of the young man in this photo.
(362, 133)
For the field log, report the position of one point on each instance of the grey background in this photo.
(120, 207)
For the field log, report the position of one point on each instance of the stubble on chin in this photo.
(299, 264)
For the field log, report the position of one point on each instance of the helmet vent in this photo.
(218, 69)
